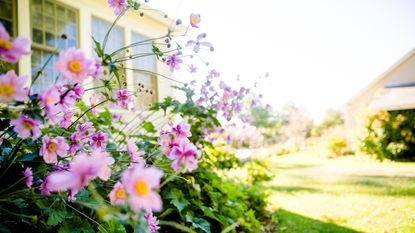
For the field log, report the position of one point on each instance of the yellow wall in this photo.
(151, 25)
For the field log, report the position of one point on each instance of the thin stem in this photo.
(83, 114)
(86, 216)
(153, 73)
(41, 70)
(170, 178)
(5, 131)
(177, 226)
(16, 148)
(104, 43)
(93, 88)
(132, 57)
(135, 44)
(230, 228)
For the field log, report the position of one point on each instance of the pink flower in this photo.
(105, 170)
(167, 141)
(119, 5)
(83, 169)
(50, 96)
(78, 91)
(140, 184)
(192, 68)
(213, 74)
(67, 119)
(28, 177)
(69, 96)
(94, 101)
(25, 126)
(74, 66)
(173, 61)
(117, 194)
(52, 147)
(182, 130)
(98, 71)
(11, 51)
(81, 135)
(136, 156)
(185, 153)
(151, 221)
(44, 188)
(85, 129)
(122, 97)
(52, 113)
(12, 87)
(195, 20)
(116, 117)
(99, 140)
(198, 43)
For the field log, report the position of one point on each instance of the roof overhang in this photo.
(394, 99)
(378, 81)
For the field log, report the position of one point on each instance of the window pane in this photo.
(49, 75)
(146, 62)
(50, 19)
(7, 11)
(115, 39)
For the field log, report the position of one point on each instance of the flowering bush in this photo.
(391, 135)
(69, 166)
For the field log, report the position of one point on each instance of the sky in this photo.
(318, 53)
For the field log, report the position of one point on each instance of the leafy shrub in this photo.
(209, 200)
(337, 145)
(391, 135)
(69, 166)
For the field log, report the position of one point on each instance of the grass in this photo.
(314, 194)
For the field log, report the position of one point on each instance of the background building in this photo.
(393, 90)
(44, 21)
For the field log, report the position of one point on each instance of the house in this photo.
(44, 21)
(393, 90)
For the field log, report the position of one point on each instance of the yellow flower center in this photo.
(74, 66)
(141, 187)
(27, 125)
(6, 89)
(5, 44)
(52, 147)
(120, 193)
(48, 100)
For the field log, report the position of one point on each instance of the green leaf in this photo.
(177, 199)
(111, 146)
(43, 204)
(149, 127)
(27, 157)
(157, 52)
(199, 223)
(112, 226)
(55, 217)
(19, 202)
(5, 148)
(98, 49)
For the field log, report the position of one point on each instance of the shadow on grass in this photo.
(382, 185)
(293, 166)
(292, 189)
(292, 222)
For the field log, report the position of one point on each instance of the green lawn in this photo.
(313, 194)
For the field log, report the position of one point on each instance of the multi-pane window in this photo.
(115, 39)
(54, 27)
(8, 15)
(145, 66)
